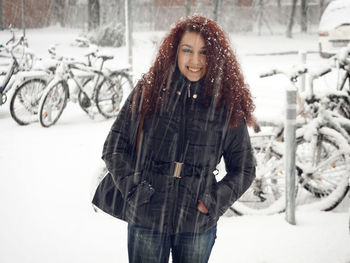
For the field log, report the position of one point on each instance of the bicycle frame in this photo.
(95, 75)
(7, 82)
(342, 60)
(5, 86)
(342, 81)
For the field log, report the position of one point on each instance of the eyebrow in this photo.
(191, 46)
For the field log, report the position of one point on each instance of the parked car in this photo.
(334, 27)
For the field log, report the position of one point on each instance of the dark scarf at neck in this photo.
(186, 87)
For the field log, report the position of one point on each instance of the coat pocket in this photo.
(141, 194)
(109, 199)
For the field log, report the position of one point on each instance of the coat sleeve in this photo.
(240, 171)
(119, 151)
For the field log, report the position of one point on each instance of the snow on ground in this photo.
(47, 175)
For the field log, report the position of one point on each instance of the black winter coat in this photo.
(141, 187)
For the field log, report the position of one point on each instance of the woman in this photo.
(188, 111)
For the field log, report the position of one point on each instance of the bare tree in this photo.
(93, 14)
(188, 7)
(279, 7)
(217, 10)
(279, 4)
(1, 22)
(119, 11)
(23, 18)
(58, 12)
(259, 13)
(303, 22)
(291, 19)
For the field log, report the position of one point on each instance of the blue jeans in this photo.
(148, 246)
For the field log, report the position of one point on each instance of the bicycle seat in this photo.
(105, 57)
(52, 69)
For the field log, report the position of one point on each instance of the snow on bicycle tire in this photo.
(266, 195)
(111, 93)
(325, 170)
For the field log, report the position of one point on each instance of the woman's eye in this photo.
(203, 52)
(187, 50)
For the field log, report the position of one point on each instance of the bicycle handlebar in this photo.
(10, 50)
(319, 71)
(268, 73)
(292, 74)
(91, 53)
(20, 40)
(342, 57)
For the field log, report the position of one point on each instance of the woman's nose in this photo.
(195, 59)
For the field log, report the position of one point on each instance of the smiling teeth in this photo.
(194, 70)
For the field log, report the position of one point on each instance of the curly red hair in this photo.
(223, 82)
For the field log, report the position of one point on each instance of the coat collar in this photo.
(185, 88)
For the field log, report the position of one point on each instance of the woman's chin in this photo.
(193, 78)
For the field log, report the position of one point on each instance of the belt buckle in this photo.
(177, 170)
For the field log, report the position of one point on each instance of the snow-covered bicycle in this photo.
(342, 99)
(24, 104)
(25, 99)
(15, 65)
(27, 84)
(98, 88)
(322, 155)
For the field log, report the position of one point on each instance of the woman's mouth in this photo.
(194, 70)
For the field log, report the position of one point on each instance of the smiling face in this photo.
(191, 57)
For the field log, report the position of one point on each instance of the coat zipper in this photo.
(180, 157)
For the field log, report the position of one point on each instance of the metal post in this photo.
(128, 32)
(290, 149)
(302, 57)
(23, 22)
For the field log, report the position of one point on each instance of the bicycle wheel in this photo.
(110, 93)
(325, 167)
(122, 79)
(340, 104)
(24, 104)
(266, 195)
(52, 103)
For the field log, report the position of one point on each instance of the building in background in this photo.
(236, 15)
(37, 13)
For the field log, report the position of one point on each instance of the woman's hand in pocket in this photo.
(201, 207)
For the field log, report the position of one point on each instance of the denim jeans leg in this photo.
(146, 245)
(192, 247)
